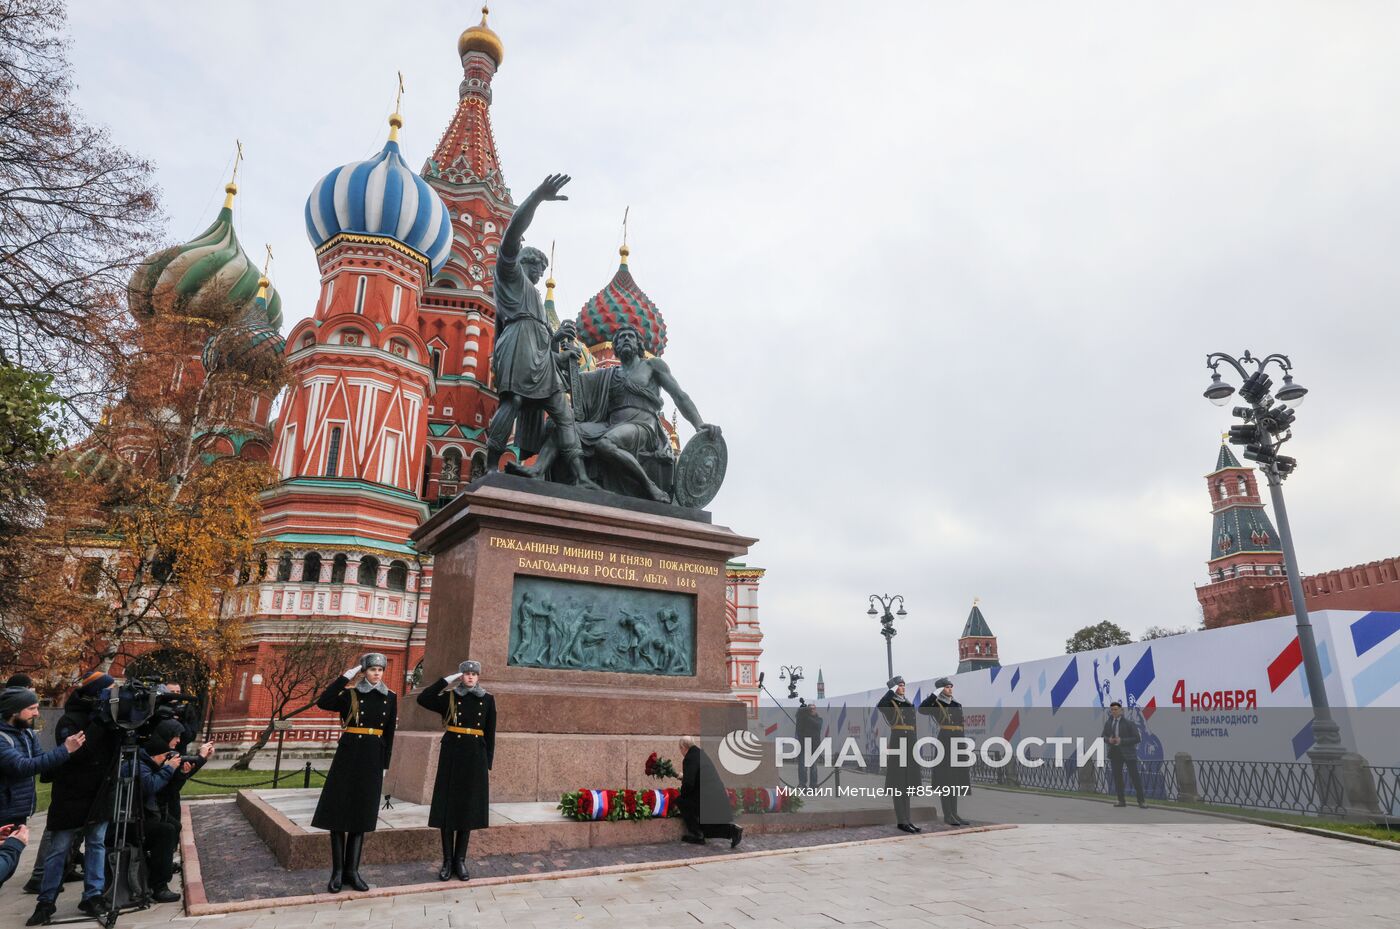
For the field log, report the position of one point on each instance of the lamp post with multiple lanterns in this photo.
(1267, 424)
(887, 623)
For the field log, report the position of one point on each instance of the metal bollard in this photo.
(306, 775)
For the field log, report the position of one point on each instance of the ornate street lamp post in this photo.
(887, 623)
(792, 674)
(1267, 425)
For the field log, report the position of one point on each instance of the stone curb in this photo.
(204, 908)
(191, 875)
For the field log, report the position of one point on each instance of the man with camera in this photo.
(162, 771)
(81, 803)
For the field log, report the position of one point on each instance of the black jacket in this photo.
(1127, 732)
(83, 788)
(703, 800)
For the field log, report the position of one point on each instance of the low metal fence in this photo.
(1332, 790)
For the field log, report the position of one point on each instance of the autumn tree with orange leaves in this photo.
(131, 535)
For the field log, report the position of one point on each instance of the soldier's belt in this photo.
(463, 730)
(907, 728)
(361, 730)
(951, 728)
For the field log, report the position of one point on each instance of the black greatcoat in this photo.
(947, 726)
(350, 800)
(462, 790)
(703, 800)
(900, 770)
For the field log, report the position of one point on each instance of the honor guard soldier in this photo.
(948, 725)
(902, 772)
(462, 790)
(349, 804)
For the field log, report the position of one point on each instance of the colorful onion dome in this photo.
(622, 301)
(481, 38)
(381, 197)
(250, 346)
(209, 277)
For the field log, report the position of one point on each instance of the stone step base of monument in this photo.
(282, 819)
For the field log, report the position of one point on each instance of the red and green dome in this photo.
(622, 301)
(251, 346)
(210, 278)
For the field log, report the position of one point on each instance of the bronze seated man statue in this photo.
(618, 412)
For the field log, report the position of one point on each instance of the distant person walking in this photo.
(1123, 738)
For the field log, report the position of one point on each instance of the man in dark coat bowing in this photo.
(951, 781)
(349, 803)
(462, 790)
(704, 802)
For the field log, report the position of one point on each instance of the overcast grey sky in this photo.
(945, 273)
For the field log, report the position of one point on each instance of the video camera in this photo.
(137, 705)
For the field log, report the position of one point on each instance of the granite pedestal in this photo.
(561, 728)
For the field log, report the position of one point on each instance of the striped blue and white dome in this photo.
(381, 196)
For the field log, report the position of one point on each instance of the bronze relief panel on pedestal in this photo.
(578, 626)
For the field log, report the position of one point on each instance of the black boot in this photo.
(43, 913)
(354, 845)
(337, 861)
(949, 816)
(459, 857)
(957, 819)
(445, 871)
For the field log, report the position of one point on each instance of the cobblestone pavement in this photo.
(1137, 875)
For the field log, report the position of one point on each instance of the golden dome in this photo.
(481, 38)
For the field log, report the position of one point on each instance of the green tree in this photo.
(1103, 635)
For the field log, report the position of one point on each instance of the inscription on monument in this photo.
(580, 626)
(580, 561)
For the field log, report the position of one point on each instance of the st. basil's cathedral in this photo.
(390, 392)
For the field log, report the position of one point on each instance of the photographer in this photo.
(158, 769)
(20, 758)
(186, 713)
(81, 805)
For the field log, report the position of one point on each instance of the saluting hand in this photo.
(350, 672)
(453, 678)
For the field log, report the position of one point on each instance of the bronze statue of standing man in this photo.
(522, 361)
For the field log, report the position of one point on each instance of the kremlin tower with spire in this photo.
(1246, 566)
(390, 394)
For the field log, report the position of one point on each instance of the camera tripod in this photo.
(123, 804)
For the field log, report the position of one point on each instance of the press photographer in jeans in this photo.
(81, 803)
(160, 769)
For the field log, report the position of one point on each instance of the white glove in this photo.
(453, 678)
(351, 671)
